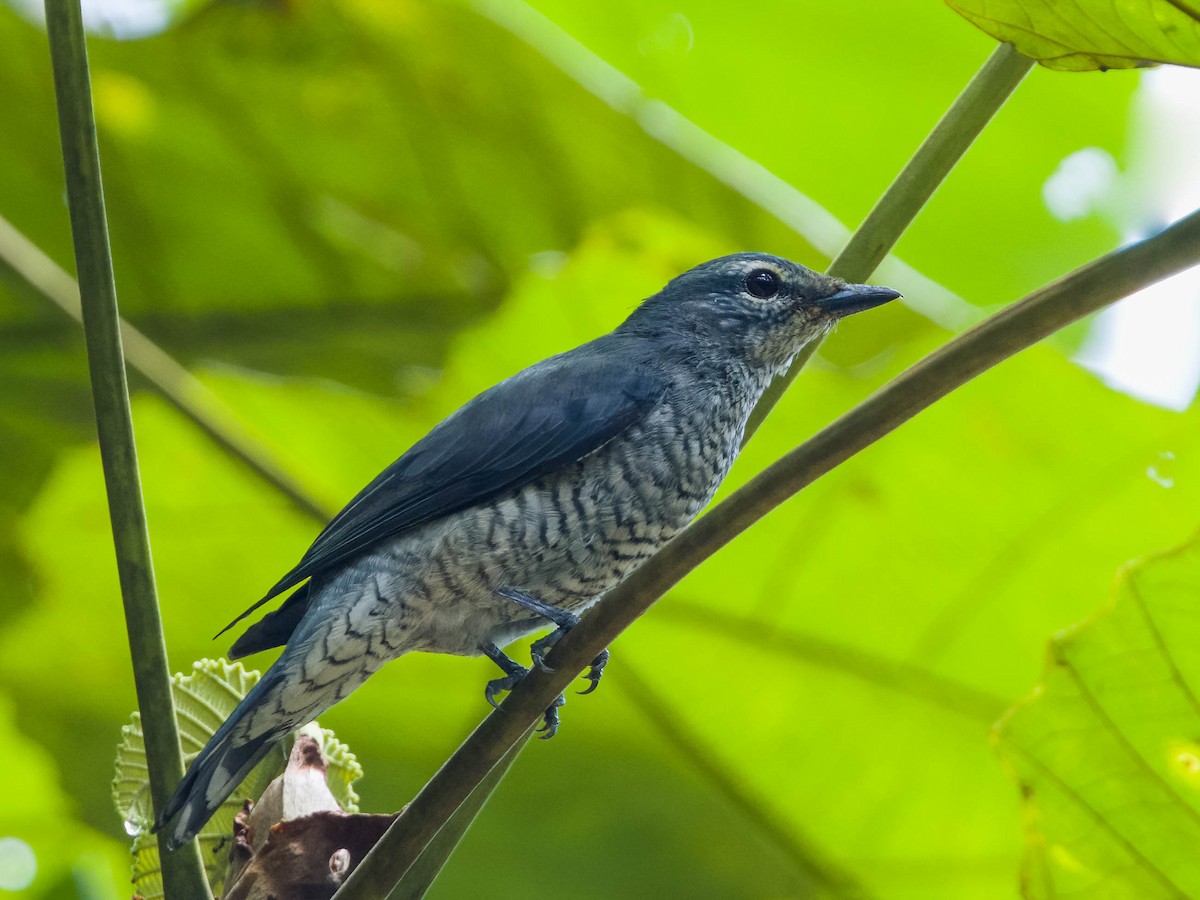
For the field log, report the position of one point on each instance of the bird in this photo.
(525, 506)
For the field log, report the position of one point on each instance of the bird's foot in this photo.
(550, 720)
(513, 673)
(595, 671)
(562, 618)
(500, 685)
(539, 648)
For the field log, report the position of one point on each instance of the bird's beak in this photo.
(855, 298)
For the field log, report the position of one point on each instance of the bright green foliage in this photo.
(203, 700)
(1107, 748)
(1084, 35)
(408, 202)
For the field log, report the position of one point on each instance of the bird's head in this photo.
(751, 306)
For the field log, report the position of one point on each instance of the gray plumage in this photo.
(554, 484)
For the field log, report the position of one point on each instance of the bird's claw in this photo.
(515, 672)
(497, 686)
(539, 648)
(500, 685)
(595, 671)
(550, 720)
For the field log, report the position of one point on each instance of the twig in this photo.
(421, 875)
(183, 875)
(1015, 328)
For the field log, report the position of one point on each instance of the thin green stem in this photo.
(183, 874)
(1015, 328)
(912, 188)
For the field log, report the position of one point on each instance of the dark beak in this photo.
(855, 298)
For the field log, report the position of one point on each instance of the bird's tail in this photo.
(222, 765)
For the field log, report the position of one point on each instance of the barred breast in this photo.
(569, 537)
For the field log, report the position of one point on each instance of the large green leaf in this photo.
(1107, 749)
(1084, 35)
(333, 175)
(332, 190)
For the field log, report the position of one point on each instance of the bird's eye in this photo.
(762, 283)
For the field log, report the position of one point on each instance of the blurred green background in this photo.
(348, 217)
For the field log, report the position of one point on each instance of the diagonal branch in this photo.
(1005, 334)
(183, 875)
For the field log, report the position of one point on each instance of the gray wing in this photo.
(536, 422)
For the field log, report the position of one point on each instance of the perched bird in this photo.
(526, 505)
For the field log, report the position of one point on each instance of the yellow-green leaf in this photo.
(1107, 749)
(1084, 35)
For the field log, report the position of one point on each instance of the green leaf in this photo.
(203, 700)
(1084, 35)
(1107, 749)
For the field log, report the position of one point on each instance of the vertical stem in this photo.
(183, 874)
(916, 183)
